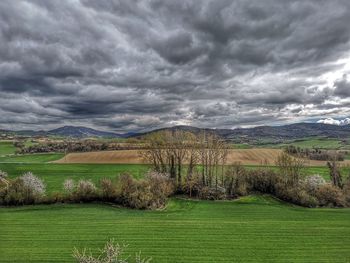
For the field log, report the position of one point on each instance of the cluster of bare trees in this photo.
(185, 155)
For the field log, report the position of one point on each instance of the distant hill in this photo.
(81, 132)
(292, 131)
(67, 131)
(275, 133)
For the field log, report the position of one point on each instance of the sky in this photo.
(139, 65)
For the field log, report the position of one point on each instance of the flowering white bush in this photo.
(111, 253)
(33, 183)
(313, 182)
(86, 185)
(85, 191)
(68, 185)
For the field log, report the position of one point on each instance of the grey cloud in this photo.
(138, 64)
(342, 87)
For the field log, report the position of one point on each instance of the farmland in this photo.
(254, 156)
(55, 174)
(251, 229)
(6, 147)
(31, 158)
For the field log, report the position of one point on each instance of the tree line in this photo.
(193, 165)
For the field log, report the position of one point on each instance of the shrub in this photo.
(161, 187)
(85, 191)
(150, 193)
(26, 189)
(111, 253)
(14, 193)
(329, 195)
(126, 186)
(212, 193)
(3, 175)
(313, 183)
(53, 198)
(3, 179)
(69, 186)
(33, 183)
(296, 195)
(346, 191)
(263, 181)
(108, 190)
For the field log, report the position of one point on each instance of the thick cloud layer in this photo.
(136, 65)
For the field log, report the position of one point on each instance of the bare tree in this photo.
(290, 167)
(335, 174)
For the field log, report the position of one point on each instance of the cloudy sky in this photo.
(138, 65)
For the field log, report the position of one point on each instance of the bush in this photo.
(329, 195)
(296, 195)
(212, 193)
(85, 191)
(150, 193)
(161, 187)
(346, 191)
(33, 183)
(108, 190)
(3, 179)
(24, 190)
(313, 183)
(111, 253)
(69, 186)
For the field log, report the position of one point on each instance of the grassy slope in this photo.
(254, 229)
(6, 147)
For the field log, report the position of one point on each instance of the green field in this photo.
(252, 229)
(31, 158)
(55, 174)
(6, 147)
(320, 143)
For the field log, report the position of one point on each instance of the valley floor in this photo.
(251, 229)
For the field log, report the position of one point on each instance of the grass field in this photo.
(6, 147)
(55, 174)
(252, 229)
(320, 143)
(31, 158)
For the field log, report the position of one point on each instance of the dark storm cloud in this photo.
(342, 87)
(145, 64)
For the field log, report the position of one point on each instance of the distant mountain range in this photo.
(285, 132)
(291, 131)
(69, 131)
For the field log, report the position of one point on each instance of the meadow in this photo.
(320, 143)
(55, 174)
(251, 229)
(7, 147)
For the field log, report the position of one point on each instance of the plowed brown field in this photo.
(245, 156)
